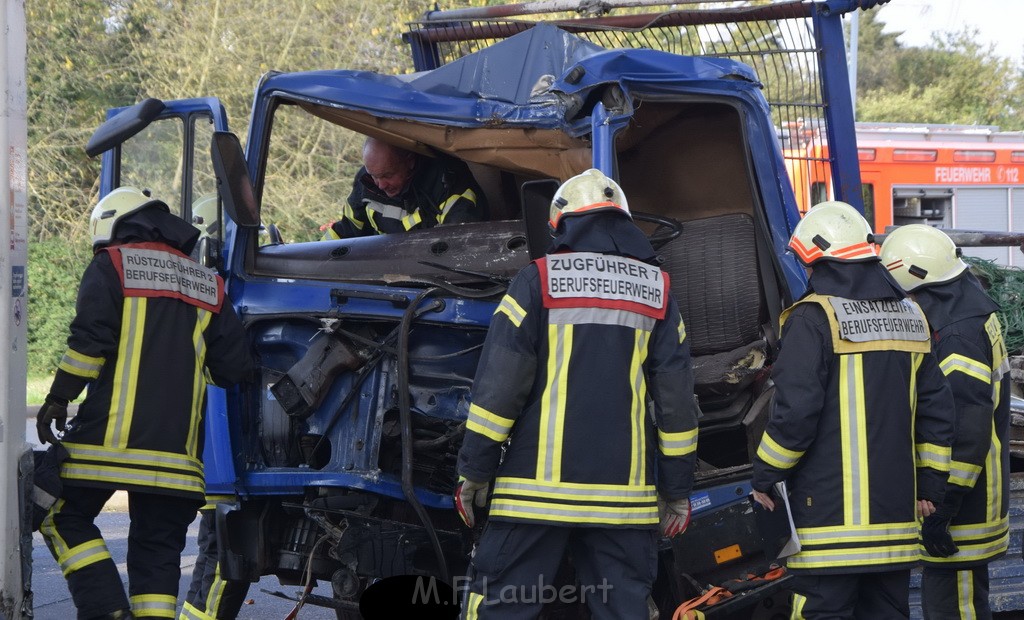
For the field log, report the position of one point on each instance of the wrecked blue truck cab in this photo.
(339, 462)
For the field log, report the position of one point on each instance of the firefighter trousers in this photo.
(210, 597)
(515, 571)
(950, 594)
(156, 537)
(864, 596)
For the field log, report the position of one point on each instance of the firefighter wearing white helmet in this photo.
(584, 339)
(968, 530)
(833, 231)
(861, 425)
(918, 255)
(114, 207)
(585, 193)
(151, 325)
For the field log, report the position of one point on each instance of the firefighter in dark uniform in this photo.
(397, 191)
(861, 425)
(210, 596)
(151, 326)
(582, 340)
(970, 527)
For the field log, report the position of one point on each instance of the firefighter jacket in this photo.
(862, 422)
(149, 320)
(968, 341)
(579, 349)
(441, 191)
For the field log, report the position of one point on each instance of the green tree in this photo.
(956, 80)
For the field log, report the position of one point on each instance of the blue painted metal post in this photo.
(835, 83)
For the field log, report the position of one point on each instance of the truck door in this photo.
(163, 146)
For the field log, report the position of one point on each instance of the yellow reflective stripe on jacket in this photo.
(677, 444)
(411, 220)
(934, 456)
(861, 556)
(561, 514)
(488, 424)
(772, 452)
(980, 530)
(133, 466)
(80, 556)
(842, 534)
(153, 605)
(142, 477)
(854, 434)
(552, 408)
(601, 316)
(994, 477)
(447, 205)
(638, 408)
(576, 491)
(203, 318)
(126, 373)
(972, 368)
(511, 308)
(348, 213)
(963, 474)
(682, 330)
(972, 551)
(80, 364)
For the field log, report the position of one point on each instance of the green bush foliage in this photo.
(55, 267)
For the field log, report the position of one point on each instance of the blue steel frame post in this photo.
(835, 85)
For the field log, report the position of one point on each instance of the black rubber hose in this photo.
(405, 417)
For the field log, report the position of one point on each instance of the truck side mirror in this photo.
(236, 190)
(123, 125)
(536, 197)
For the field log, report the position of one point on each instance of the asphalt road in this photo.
(52, 601)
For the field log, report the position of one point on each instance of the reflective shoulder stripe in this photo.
(80, 364)
(488, 424)
(349, 214)
(677, 444)
(970, 367)
(447, 205)
(511, 308)
(411, 220)
(963, 474)
(934, 456)
(771, 452)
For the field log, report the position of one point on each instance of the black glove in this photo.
(53, 410)
(938, 542)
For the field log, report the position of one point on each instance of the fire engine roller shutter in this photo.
(713, 266)
(1017, 219)
(983, 209)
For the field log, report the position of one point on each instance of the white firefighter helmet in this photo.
(114, 207)
(919, 255)
(588, 192)
(833, 231)
(205, 215)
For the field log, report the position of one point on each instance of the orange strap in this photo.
(713, 596)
